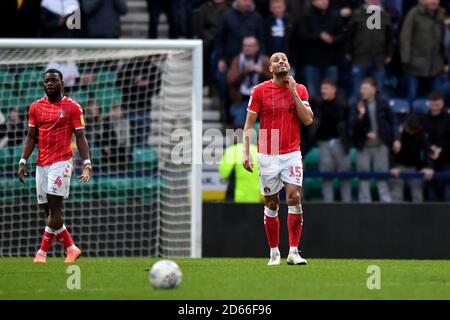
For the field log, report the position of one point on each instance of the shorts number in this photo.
(58, 182)
(296, 171)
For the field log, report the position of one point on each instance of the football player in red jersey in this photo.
(52, 121)
(280, 104)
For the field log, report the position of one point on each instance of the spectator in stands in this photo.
(346, 8)
(374, 132)
(3, 131)
(446, 86)
(248, 69)
(206, 21)
(94, 123)
(154, 9)
(184, 15)
(423, 25)
(243, 186)
(297, 8)
(411, 158)
(239, 21)
(101, 18)
(54, 15)
(15, 128)
(437, 126)
(116, 140)
(139, 78)
(369, 50)
(320, 34)
(331, 120)
(278, 29)
(395, 9)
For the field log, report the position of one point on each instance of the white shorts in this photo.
(53, 179)
(275, 170)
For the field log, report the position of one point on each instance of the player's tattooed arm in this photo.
(83, 148)
(30, 142)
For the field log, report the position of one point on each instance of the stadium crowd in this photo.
(382, 90)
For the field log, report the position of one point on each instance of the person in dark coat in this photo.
(369, 50)
(320, 35)
(437, 127)
(278, 29)
(422, 46)
(375, 133)
(102, 17)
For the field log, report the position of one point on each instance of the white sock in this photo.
(274, 251)
(42, 252)
(293, 249)
(71, 248)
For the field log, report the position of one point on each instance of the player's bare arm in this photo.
(248, 136)
(304, 112)
(30, 142)
(83, 148)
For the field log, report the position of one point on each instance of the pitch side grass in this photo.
(223, 278)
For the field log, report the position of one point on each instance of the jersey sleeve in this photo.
(77, 118)
(254, 104)
(32, 115)
(303, 94)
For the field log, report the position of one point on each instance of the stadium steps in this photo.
(135, 22)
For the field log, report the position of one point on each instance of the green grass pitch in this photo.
(223, 278)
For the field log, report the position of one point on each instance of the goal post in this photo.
(145, 206)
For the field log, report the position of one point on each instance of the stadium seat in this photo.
(401, 109)
(400, 106)
(96, 155)
(104, 79)
(11, 190)
(108, 96)
(81, 97)
(17, 154)
(30, 78)
(145, 189)
(420, 106)
(312, 189)
(311, 160)
(5, 157)
(126, 189)
(7, 80)
(32, 94)
(6, 95)
(83, 191)
(353, 158)
(144, 158)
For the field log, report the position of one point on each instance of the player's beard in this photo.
(55, 95)
(281, 74)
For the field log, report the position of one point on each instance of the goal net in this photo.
(142, 106)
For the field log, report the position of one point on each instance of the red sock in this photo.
(295, 223)
(272, 226)
(47, 239)
(64, 236)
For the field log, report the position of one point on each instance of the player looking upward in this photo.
(280, 103)
(52, 121)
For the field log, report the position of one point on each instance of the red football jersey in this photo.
(55, 123)
(279, 130)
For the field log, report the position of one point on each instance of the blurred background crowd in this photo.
(378, 77)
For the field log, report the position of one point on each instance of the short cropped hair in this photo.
(369, 80)
(330, 81)
(54, 71)
(436, 96)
